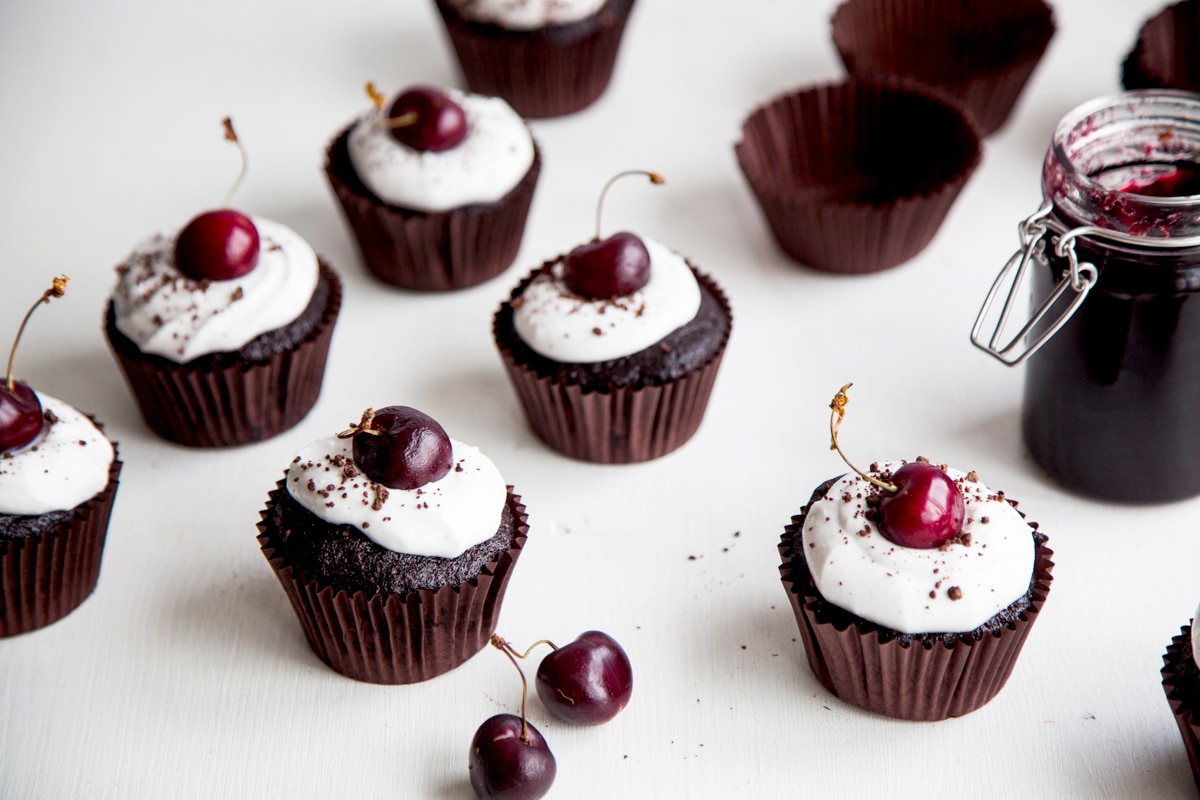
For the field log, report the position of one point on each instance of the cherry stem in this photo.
(654, 177)
(231, 136)
(500, 644)
(838, 404)
(363, 426)
(57, 289)
(389, 123)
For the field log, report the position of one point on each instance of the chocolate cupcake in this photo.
(980, 54)
(547, 58)
(1167, 52)
(1181, 682)
(914, 633)
(438, 203)
(219, 362)
(394, 545)
(848, 183)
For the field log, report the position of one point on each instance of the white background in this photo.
(186, 674)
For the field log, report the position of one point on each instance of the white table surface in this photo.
(186, 674)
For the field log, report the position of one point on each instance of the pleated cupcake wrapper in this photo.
(397, 639)
(1167, 52)
(619, 424)
(785, 153)
(219, 406)
(950, 45)
(437, 251)
(46, 576)
(547, 72)
(1177, 688)
(913, 682)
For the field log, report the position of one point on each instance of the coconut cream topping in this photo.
(64, 467)
(486, 165)
(561, 325)
(179, 318)
(951, 589)
(523, 15)
(442, 518)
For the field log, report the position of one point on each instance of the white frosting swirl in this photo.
(490, 160)
(442, 518)
(178, 318)
(64, 467)
(523, 15)
(913, 590)
(561, 325)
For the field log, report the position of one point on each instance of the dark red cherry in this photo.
(402, 448)
(504, 765)
(21, 418)
(927, 510)
(217, 246)
(612, 267)
(586, 682)
(438, 123)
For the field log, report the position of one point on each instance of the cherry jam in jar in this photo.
(1112, 395)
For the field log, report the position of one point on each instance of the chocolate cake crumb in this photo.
(663, 346)
(954, 593)
(973, 477)
(984, 520)
(49, 416)
(83, 442)
(238, 294)
(597, 332)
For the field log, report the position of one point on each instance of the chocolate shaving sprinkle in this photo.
(954, 593)
(49, 416)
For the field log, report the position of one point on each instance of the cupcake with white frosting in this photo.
(400, 532)
(436, 186)
(1181, 682)
(545, 57)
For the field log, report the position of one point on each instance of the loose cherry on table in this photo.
(223, 244)
(400, 447)
(21, 416)
(587, 681)
(921, 507)
(423, 118)
(612, 267)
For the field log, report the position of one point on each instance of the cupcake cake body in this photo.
(621, 379)
(437, 220)
(908, 632)
(224, 362)
(56, 495)
(1181, 682)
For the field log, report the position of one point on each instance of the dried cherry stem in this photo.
(58, 288)
(402, 121)
(654, 177)
(500, 644)
(838, 404)
(363, 426)
(231, 136)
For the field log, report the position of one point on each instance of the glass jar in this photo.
(1112, 396)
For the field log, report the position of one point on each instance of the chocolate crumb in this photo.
(238, 294)
(973, 476)
(49, 416)
(517, 301)
(954, 593)
(597, 332)
(666, 348)
(984, 520)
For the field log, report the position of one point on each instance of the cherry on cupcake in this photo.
(223, 244)
(21, 417)
(423, 118)
(612, 267)
(400, 447)
(921, 507)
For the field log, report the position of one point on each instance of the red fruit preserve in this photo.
(1112, 397)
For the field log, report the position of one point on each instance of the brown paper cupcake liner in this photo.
(436, 251)
(1182, 687)
(222, 405)
(1167, 52)
(397, 638)
(547, 72)
(888, 677)
(846, 180)
(44, 577)
(621, 424)
(981, 54)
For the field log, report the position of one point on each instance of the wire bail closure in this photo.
(1036, 231)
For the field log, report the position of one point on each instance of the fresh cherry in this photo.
(510, 759)
(400, 447)
(586, 682)
(21, 417)
(612, 267)
(217, 246)
(426, 119)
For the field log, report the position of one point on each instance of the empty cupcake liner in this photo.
(47, 576)
(396, 638)
(223, 405)
(546, 72)
(1181, 683)
(1167, 52)
(436, 251)
(617, 424)
(846, 179)
(982, 54)
(887, 677)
